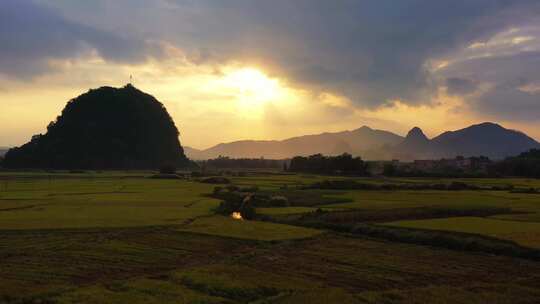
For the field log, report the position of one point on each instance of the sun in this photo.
(252, 86)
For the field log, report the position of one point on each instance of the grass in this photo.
(413, 199)
(118, 237)
(261, 231)
(478, 293)
(103, 202)
(284, 210)
(160, 265)
(523, 233)
(138, 291)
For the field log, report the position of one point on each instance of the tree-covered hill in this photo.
(105, 128)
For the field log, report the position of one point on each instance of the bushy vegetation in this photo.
(349, 184)
(523, 233)
(215, 180)
(526, 164)
(354, 223)
(245, 200)
(475, 167)
(455, 241)
(235, 200)
(355, 216)
(243, 163)
(318, 163)
(167, 169)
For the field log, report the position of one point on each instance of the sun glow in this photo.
(252, 86)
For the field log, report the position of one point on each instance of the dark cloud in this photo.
(370, 51)
(31, 33)
(518, 67)
(512, 85)
(460, 86)
(510, 103)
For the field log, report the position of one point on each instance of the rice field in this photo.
(253, 230)
(120, 237)
(523, 233)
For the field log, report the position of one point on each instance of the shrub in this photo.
(216, 180)
(231, 196)
(247, 212)
(250, 189)
(165, 176)
(278, 201)
(348, 184)
(218, 190)
(167, 169)
(461, 186)
(237, 202)
(232, 188)
(526, 191)
(196, 174)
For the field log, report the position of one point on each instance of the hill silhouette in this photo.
(105, 128)
(357, 142)
(487, 139)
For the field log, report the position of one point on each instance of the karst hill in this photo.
(105, 128)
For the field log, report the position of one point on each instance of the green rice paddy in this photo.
(120, 237)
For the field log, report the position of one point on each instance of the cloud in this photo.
(510, 103)
(369, 51)
(372, 52)
(460, 86)
(508, 85)
(31, 34)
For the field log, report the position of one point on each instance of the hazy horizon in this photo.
(274, 70)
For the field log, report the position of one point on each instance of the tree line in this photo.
(526, 164)
(248, 163)
(318, 163)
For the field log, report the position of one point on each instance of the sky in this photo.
(239, 69)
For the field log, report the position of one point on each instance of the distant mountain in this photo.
(363, 141)
(192, 153)
(487, 139)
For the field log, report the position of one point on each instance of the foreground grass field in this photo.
(263, 231)
(523, 233)
(118, 237)
(34, 203)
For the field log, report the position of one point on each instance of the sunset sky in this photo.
(237, 69)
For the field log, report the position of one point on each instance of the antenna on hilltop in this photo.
(130, 83)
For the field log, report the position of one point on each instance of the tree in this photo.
(526, 164)
(318, 163)
(389, 169)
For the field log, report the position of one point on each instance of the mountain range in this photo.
(487, 139)
(355, 142)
